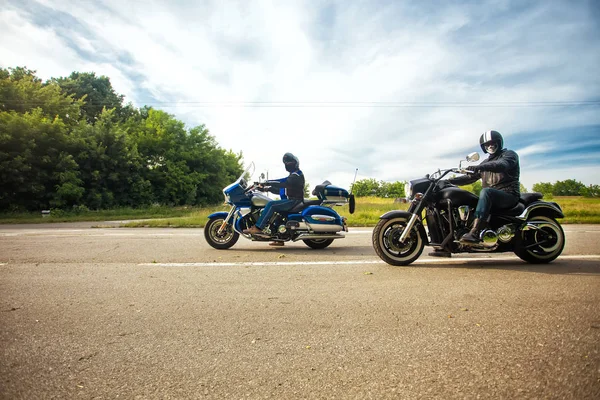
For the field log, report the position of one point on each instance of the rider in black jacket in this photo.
(499, 175)
(290, 189)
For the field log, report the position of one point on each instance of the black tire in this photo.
(386, 245)
(317, 243)
(223, 241)
(551, 236)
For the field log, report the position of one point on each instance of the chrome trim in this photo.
(489, 238)
(463, 212)
(409, 226)
(259, 199)
(323, 228)
(302, 226)
(224, 224)
(525, 214)
(319, 217)
(321, 236)
(506, 233)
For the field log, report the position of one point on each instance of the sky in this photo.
(396, 89)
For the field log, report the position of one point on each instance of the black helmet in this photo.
(489, 138)
(291, 162)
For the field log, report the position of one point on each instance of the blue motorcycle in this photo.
(313, 221)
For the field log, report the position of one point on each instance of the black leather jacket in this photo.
(291, 187)
(500, 171)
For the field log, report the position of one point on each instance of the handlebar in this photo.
(437, 176)
(255, 186)
(462, 171)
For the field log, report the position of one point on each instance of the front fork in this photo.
(225, 221)
(408, 228)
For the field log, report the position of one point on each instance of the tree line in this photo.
(569, 187)
(71, 142)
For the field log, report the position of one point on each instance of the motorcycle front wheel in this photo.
(386, 242)
(541, 244)
(223, 240)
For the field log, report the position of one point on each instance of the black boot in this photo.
(473, 235)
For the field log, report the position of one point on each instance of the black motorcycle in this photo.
(529, 229)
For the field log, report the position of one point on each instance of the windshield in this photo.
(248, 172)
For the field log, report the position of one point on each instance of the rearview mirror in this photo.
(473, 157)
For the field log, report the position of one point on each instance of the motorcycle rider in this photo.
(291, 191)
(499, 174)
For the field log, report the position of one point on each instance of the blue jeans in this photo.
(495, 197)
(275, 206)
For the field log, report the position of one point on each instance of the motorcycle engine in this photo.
(506, 233)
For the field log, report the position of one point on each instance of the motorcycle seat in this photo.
(528, 198)
(303, 205)
(513, 212)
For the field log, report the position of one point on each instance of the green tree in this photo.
(35, 162)
(522, 188)
(96, 93)
(390, 189)
(569, 187)
(22, 91)
(111, 167)
(185, 167)
(591, 191)
(546, 188)
(115, 156)
(365, 187)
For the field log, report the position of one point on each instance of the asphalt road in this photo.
(157, 313)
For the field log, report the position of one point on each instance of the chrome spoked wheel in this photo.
(387, 245)
(224, 240)
(540, 241)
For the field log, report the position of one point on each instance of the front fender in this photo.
(396, 214)
(220, 214)
(405, 214)
(544, 208)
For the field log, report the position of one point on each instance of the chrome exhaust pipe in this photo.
(317, 236)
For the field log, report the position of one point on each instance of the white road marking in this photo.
(353, 262)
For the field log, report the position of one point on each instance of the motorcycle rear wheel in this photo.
(389, 249)
(543, 245)
(317, 243)
(220, 241)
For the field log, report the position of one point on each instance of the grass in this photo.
(100, 215)
(578, 210)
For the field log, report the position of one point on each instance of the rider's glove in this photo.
(474, 168)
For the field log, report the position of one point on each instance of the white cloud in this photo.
(220, 57)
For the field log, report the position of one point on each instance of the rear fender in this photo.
(405, 214)
(545, 208)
